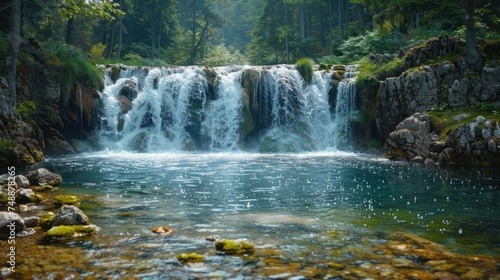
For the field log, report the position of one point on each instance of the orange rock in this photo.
(161, 230)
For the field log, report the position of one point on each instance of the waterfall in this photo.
(255, 108)
(345, 110)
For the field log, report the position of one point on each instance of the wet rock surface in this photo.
(473, 144)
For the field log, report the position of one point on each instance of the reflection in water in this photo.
(301, 208)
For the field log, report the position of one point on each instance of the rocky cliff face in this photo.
(21, 142)
(472, 144)
(61, 114)
(448, 84)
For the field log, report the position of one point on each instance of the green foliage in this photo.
(357, 47)
(7, 144)
(392, 68)
(26, 109)
(97, 51)
(305, 66)
(374, 144)
(484, 106)
(4, 43)
(70, 66)
(221, 55)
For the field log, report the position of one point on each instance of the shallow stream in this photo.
(315, 215)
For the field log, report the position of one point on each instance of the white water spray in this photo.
(169, 109)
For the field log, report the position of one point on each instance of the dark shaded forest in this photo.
(222, 32)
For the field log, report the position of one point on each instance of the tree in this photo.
(9, 101)
(472, 56)
(202, 18)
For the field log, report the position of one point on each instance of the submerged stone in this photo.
(234, 246)
(66, 200)
(191, 257)
(63, 232)
(163, 230)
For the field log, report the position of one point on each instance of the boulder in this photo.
(43, 176)
(22, 181)
(410, 140)
(26, 196)
(70, 215)
(10, 221)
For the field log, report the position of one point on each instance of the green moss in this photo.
(46, 220)
(234, 246)
(443, 122)
(36, 198)
(66, 200)
(324, 66)
(7, 144)
(84, 229)
(61, 232)
(305, 68)
(3, 198)
(44, 188)
(191, 257)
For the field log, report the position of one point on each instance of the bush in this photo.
(70, 66)
(305, 68)
(26, 109)
(97, 51)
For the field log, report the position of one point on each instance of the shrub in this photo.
(305, 68)
(70, 66)
(97, 51)
(26, 109)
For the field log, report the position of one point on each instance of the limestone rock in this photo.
(26, 196)
(31, 221)
(10, 221)
(43, 176)
(411, 139)
(22, 181)
(70, 215)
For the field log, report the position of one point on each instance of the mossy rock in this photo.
(324, 66)
(305, 67)
(234, 246)
(64, 232)
(191, 257)
(4, 198)
(36, 198)
(61, 232)
(46, 220)
(66, 200)
(44, 188)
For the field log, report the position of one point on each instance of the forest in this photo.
(225, 32)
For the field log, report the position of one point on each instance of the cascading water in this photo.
(267, 109)
(345, 110)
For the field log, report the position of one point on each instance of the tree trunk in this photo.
(286, 37)
(192, 53)
(330, 24)
(111, 42)
(472, 56)
(120, 34)
(70, 31)
(9, 99)
(341, 21)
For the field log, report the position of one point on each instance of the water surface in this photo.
(298, 208)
